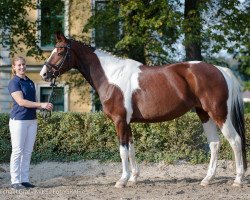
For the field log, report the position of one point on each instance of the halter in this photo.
(57, 67)
(54, 75)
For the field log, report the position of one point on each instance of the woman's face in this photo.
(20, 68)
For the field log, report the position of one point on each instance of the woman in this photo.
(22, 124)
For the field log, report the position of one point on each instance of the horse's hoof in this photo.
(120, 184)
(133, 179)
(236, 184)
(132, 182)
(204, 183)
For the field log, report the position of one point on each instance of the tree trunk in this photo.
(192, 29)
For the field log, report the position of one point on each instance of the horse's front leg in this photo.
(122, 130)
(127, 152)
(134, 167)
(122, 182)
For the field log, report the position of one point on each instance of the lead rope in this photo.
(46, 113)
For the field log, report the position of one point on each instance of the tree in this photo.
(147, 28)
(152, 29)
(192, 29)
(15, 28)
(244, 61)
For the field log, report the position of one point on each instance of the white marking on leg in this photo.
(214, 144)
(123, 73)
(133, 164)
(122, 182)
(234, 139)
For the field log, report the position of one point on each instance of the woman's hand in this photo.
(18, 96)
(47, 106)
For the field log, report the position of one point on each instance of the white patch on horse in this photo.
(44, 69)
(213, 139)
(124, 156)
(134, 167)
(123, 73)
(229, 77)
(194, 62)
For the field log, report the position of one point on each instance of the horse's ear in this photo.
(60, 37)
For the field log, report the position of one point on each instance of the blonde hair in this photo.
(13, 72)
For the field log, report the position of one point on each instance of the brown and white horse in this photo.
(132, 92)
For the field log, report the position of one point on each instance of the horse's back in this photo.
(169, 91)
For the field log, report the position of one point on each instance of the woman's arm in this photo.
(18, 96)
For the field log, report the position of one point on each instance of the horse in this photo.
(130, 92)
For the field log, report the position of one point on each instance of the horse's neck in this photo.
(89, 66)
(122, 73)
(101, 69)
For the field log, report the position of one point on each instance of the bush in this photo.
(74, 136)
(5, 146)
(247, 107)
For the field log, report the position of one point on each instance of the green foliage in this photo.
(89, 136)
(16, 29)
(74, 136)
(247, 107)
(246, 85)
(5, 146)
(244, 60)
(227, 24)
(151, 29)
(145, 28)
(170, 141)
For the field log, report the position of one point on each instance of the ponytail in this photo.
(12, 72)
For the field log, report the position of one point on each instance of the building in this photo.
(70, 16)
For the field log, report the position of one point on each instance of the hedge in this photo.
(74, 136)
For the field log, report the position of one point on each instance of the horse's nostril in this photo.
(44, 75)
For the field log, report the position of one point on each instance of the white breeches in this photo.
(23, 135)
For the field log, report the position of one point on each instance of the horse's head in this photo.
(60, 59)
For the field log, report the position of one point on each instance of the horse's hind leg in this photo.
(213, 139)
(234, 139)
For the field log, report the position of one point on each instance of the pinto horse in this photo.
(132, 92)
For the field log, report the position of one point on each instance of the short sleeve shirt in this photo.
(27, 87)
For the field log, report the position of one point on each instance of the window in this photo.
(96, 103)
(52, 20)
(106, 35)
(58, 100)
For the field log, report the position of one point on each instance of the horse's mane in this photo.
(94, 48)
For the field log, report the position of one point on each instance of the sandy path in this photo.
(93, 180)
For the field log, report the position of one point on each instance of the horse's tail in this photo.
(237, 117)
(237, 110)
